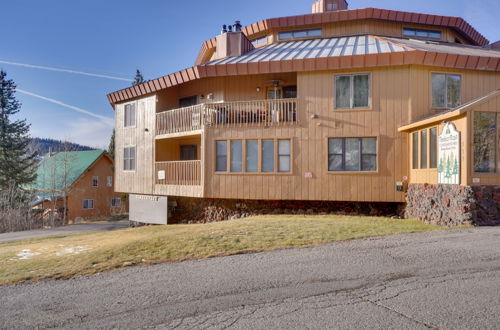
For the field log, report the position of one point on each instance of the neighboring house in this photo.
(337, 105)
(85, 178)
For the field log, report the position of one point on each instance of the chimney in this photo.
(323, 6)
(232, 42)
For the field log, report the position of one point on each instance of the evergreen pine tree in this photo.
(138, 79)
(17, 163)
(111, 147)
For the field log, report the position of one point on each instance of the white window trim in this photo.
(135, 158)
(125, 117)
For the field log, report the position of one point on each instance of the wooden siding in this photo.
(141, 136)
(102, 194)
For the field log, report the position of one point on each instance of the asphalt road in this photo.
(441, 280)
(65, 230)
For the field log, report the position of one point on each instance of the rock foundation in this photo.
(196, 210)
(453, 205)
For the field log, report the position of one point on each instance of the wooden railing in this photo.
(184, 173)
(240, 113)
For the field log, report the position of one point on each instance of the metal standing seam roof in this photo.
(50, 171)
(326, 54)
(316, 48)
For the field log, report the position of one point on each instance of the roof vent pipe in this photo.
(224, 29)
(229, 28)
(237, 26)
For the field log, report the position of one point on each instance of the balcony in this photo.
(227, 114)
(179, 173)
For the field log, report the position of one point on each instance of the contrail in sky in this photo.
(104, 119)
(41, 67)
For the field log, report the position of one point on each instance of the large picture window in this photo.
(446, 90)
(352, 91)
(268, 156)
(352, 154)
(485, 142)
(129, 115)
(236, 156)
(252, 164)
(129, 159)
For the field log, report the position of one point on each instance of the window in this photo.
(415, 150)
(221, 153)
(419, 33)
(236, 156)
(433, 139)
(109, 181)
(116, 202)
(88, 204)
(268, 156)
(485, 142)
(423, 149)
(252, 156)
(129, 159)
(129, 115)
(352, 91)
(95, 181)
(188, 101)
(446, 90)
(352, 154)
(287, 35)
(260, 41)
(284, 158)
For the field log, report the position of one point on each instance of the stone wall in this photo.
(198, 210)
(453, 205)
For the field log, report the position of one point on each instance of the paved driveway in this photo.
(71, 229)
(445, 280)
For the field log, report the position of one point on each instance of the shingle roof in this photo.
(51, 170)
(316, 48)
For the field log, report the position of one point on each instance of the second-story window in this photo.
(95, 181)
(446, 90)
(109, 181)
(129, 115)
(129, 159)
(352, 91)
(300, 34)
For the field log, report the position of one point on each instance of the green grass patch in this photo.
(78, 254)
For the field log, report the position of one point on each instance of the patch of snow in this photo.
(26, 254)
(72, 250)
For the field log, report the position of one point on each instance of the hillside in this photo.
(42, 146)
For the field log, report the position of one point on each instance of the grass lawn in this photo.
(70, 255)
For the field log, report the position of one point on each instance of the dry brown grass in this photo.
(154, 244)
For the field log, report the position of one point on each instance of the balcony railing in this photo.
(184, 173)
(225, 114)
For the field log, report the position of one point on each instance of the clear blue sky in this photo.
(114, 37)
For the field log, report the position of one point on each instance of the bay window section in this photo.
(446, 90)
(252, 164)
(236, 156)
(221, 155)
(433, 140)
(268, 156)
(284, 155)
(415, 150)
(423, 149)
(485, 141)
(352, 91)
(352, 154)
